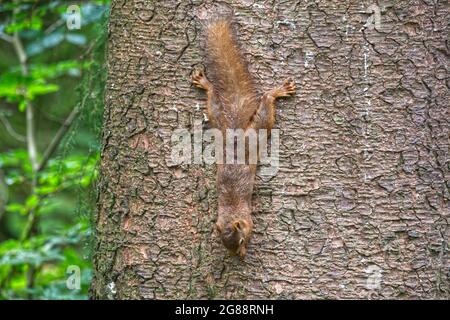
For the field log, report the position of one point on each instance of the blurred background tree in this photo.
(51, 88)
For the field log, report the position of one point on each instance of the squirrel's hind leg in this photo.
(264, 117)
(200, 81)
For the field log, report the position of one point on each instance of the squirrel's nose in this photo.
(242, 251)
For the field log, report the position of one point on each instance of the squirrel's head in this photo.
(236, 235)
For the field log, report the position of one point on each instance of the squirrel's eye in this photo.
(241, 241)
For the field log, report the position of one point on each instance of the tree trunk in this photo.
(359, 207)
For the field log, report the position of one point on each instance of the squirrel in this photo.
(233, 103)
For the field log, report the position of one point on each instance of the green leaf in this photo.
(13, 177)
(36, 258)
(10, 84)
(31, 202)
(8, 245)
(14, 158)
(39, 89)
(22, 105)
(34, 22)
(15, 208)
(51, 71)
(86, 181)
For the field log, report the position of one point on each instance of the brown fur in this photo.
(233, 85)
(232, 103)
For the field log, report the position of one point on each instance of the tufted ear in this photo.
(218, 228)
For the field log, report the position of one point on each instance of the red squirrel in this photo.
(233, 103)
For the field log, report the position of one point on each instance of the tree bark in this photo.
(360, 205)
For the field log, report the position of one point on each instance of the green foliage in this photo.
(51, 254)
(45, 211)
(16, 87)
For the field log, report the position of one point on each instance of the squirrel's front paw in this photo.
(288, 88)
(199, 80)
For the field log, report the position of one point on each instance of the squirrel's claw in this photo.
(288, 88)
(199, 80)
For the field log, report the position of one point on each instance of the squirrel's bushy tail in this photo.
(228, 72)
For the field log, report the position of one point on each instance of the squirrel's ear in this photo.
(218, 228)
(238, 225)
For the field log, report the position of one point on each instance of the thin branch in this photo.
(11, 130)
(20, 53)
(6, 37)
(31, 136)
(54, 26)
(31, 225)
(53, 146)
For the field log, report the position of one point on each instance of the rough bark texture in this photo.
(360, 205)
